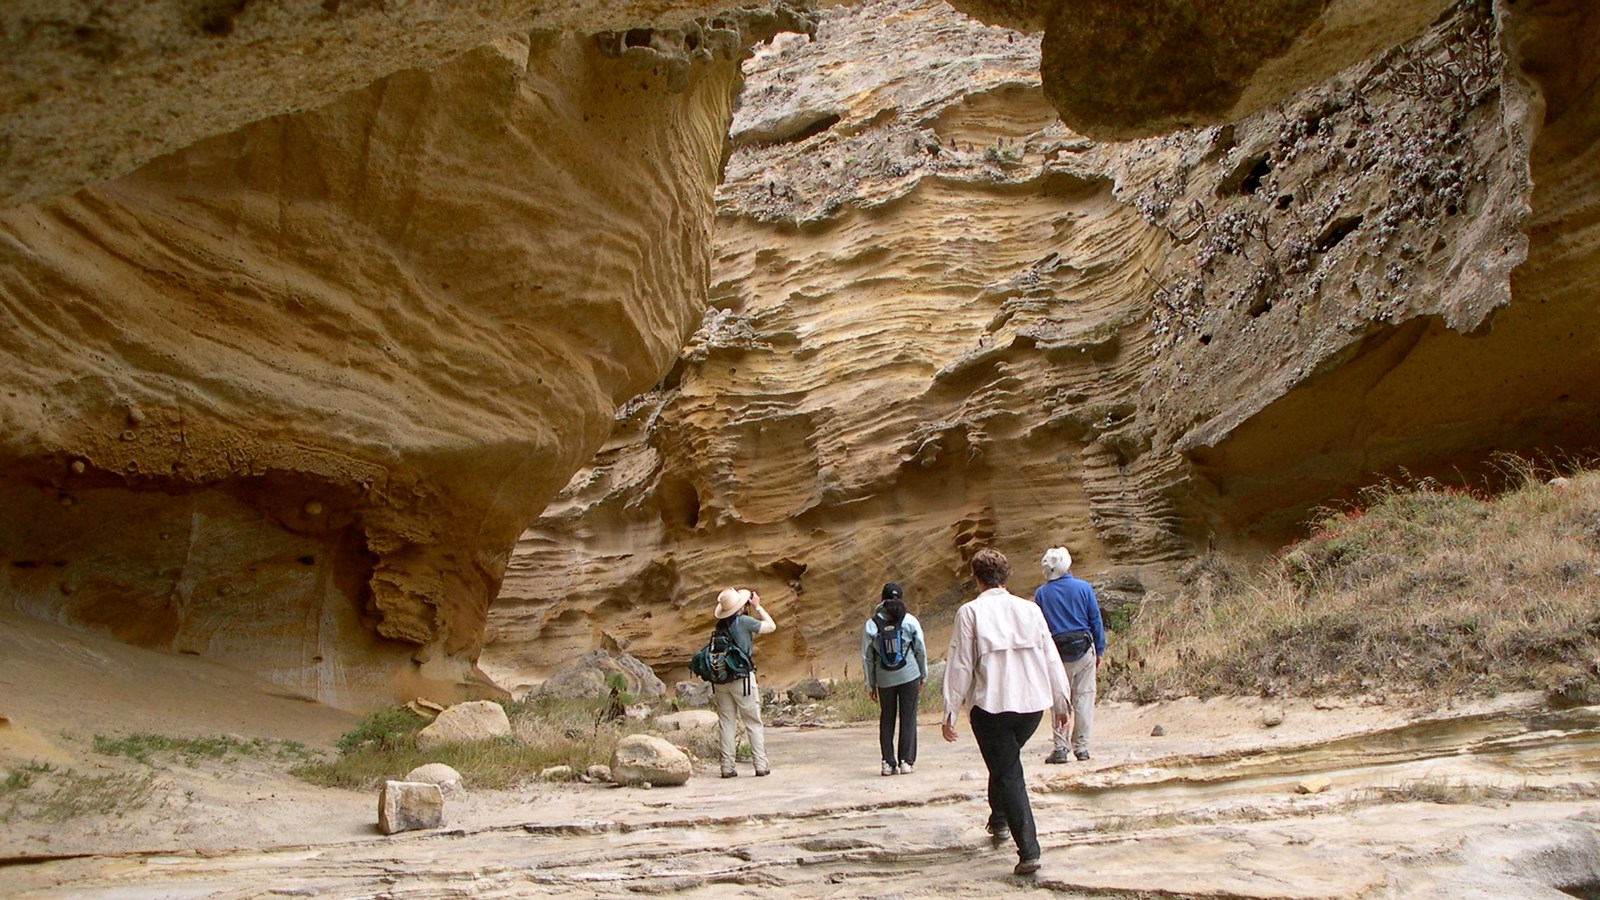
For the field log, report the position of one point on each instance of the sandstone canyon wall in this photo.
(940, 318)
(309, 309)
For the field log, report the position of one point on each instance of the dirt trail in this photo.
(1208, 810)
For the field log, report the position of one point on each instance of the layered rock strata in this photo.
(286, 396)
(942, 319)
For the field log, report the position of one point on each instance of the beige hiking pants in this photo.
(1081, 678)
(734, 705)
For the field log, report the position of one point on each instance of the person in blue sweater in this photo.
(895, 681)
(1073, 614)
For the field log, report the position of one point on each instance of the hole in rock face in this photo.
(307, 560)
(680, 503)
(636, 37)
(815, 128)
(1337, 230)
(1252, 181)
(1246, 177)
(1205, 338)
(216, 16)
(1286, 201)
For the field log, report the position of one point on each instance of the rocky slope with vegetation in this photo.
(941, 318)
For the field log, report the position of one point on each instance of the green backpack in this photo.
(720, 660)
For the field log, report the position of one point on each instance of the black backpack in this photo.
(893, 648)
(720, 660)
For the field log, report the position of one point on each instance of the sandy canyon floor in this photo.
(1494, 798)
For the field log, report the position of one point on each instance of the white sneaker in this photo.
(888, 768)
(906, 768)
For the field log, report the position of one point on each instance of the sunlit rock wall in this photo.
(943, 319)
(286, 396)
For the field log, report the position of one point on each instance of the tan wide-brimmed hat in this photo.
(730, 601)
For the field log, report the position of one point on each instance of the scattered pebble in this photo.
(1316, 784)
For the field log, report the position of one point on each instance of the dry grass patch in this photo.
(545, 732)
(1426, 589)
(146, 748)
(848, 701)
(41, 792)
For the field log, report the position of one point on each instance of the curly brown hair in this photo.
(991, 567)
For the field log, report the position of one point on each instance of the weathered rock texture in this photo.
(287, 395)
(1137, 68)
(642, 759)
(465, 723)
(942, 319)
(408, 806)
(91, 91)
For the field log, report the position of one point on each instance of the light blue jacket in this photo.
(916, 666)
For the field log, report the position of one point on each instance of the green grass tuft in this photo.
(41, 792)
(145, 747)
(546, 732)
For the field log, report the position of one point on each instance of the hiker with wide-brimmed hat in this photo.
(741, 617)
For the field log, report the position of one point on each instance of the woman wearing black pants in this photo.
(1004, 665)
(895, 663)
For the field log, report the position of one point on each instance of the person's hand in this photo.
(755, 599)
(1097, 661)
(948, 730)
(872, 693)
(1063, 720)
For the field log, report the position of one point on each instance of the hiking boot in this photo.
(1082, 755)
(906, 768)
(888, 768)
(998, 834)
(729, 773)
(1061, 756)
(1026, 866)
(762, 773)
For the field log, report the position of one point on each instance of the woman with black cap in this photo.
(895, 663)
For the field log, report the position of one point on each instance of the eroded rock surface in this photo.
(1439, 804)
(1135, 68)
(92, 91)
(287, 395)
(943, 319)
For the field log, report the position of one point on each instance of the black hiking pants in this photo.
(901, 701)
(1000, 738)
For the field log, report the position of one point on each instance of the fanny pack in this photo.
(1073, 645)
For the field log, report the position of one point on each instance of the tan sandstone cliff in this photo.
(940, 318)
(363, 289)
